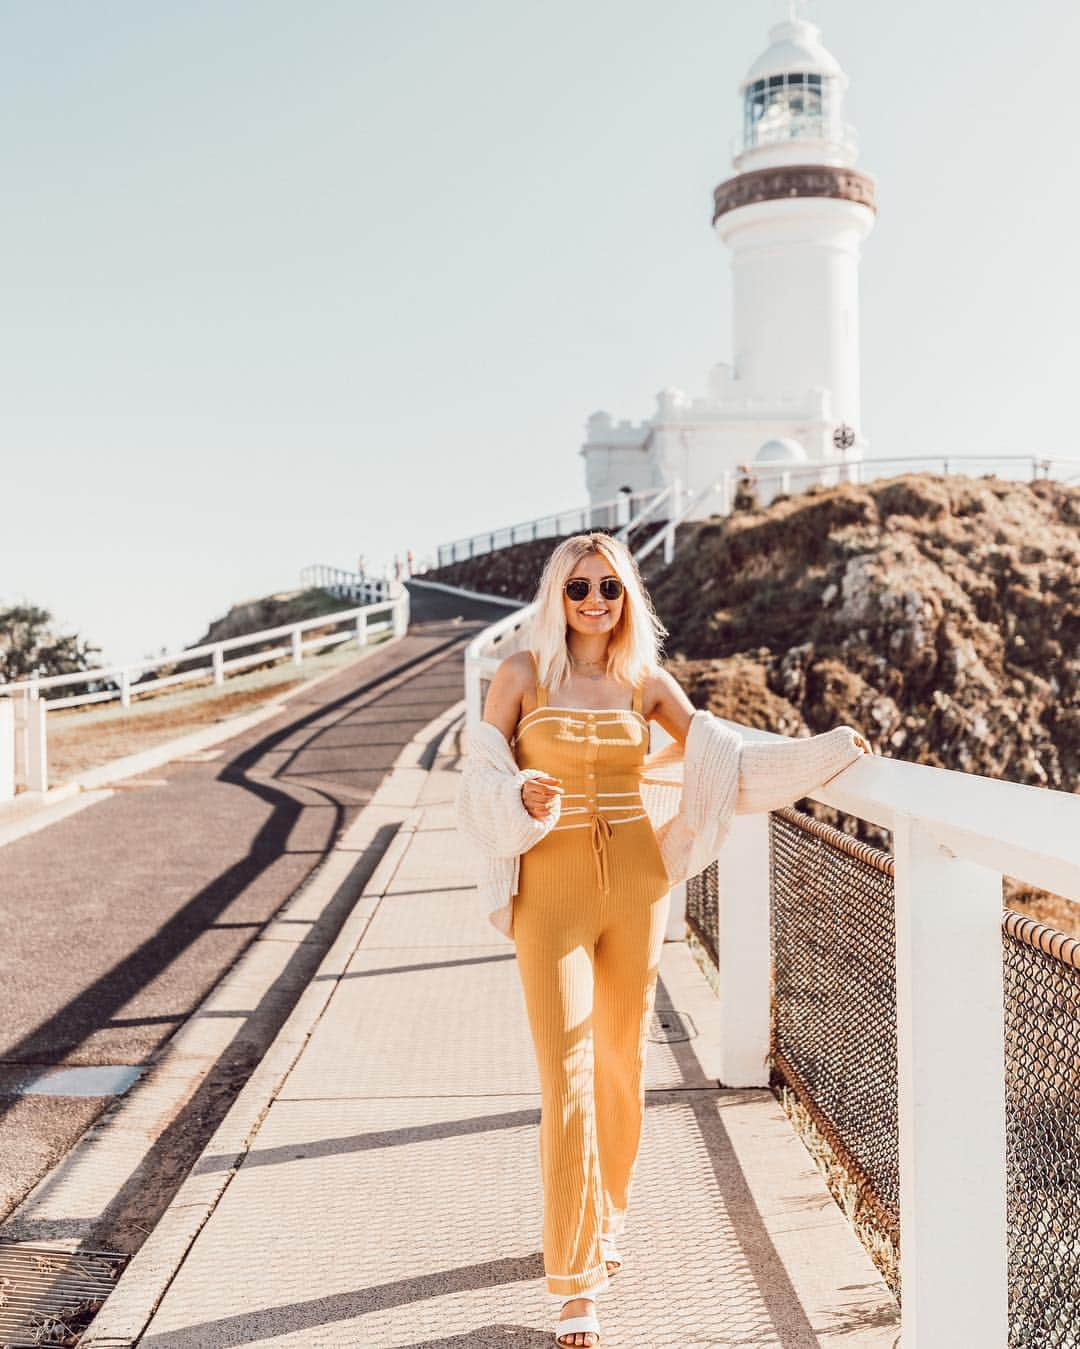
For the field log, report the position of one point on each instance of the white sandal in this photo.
(578, 1325)
(609, 1251)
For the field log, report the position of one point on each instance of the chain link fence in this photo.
(833, 1045)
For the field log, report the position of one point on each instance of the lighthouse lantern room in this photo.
(793, 217)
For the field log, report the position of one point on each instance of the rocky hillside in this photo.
(940, 615)
(272, 611)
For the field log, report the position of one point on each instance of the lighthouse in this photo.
(793, 217)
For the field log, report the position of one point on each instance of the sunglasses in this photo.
(577, 588)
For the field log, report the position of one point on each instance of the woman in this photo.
(579, 877)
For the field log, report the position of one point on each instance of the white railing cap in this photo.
(1030, 833)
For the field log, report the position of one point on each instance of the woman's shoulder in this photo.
(518, 669)
(659, 687)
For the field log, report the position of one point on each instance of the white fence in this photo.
(765, 481)
(955, 835)
(24, 705)
(347, 585)
(620, 514)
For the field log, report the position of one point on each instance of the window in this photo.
(786, 107)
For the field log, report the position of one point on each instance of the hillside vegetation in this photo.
(272, 611)
(941, 615)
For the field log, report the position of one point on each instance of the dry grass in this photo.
(85, 738)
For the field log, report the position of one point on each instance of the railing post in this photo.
(7, 749)
(669, 536)
(474, 701)
(31, 761)
(217, 657)
(743, 952)
(125, 688)
(361, 629)
(951, 1095)
(297, 646)
(401, 615)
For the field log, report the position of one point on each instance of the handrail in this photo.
(638, 520)
(792, 474)
(508, 634)
(666, 533)
(99, 672)
(600, 515)
(23, 727)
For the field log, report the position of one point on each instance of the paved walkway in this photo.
(119, 919)
(385, 1193)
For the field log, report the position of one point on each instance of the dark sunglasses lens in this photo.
(577, 590)
(611, 587)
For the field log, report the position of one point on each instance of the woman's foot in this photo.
(612, 1258)
(581, 1339)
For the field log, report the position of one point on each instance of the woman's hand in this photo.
(538, 795)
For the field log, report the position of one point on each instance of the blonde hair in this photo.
(634, 644)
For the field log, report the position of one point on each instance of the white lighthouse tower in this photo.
(794, 216)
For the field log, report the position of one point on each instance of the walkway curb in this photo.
(129, 1308)
(59, 802)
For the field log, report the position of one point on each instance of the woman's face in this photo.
(593, 614)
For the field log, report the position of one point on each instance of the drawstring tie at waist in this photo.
(601, 834)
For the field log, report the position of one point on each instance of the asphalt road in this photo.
(118, 920)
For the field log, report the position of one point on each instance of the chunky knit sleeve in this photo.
(775, 773)
(491, 812)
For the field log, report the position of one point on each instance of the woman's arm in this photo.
(664, 701)
(502, 708)
(776, 773)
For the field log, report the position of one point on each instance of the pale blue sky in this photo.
(287, 282)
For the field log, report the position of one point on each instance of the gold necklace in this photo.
(585, 663)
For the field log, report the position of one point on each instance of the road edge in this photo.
(59, 802)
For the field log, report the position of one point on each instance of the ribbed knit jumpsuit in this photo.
(589, 920)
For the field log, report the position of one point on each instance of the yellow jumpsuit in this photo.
(589, 921)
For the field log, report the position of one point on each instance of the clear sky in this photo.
(291, 282)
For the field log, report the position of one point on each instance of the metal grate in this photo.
(834, 998)
(668, 1026)
(1042, 1130)
(48, 1296)
(701, 912)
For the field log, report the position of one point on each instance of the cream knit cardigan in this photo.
(721, 776)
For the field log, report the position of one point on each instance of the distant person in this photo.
(579, 879)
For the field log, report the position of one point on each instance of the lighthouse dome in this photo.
(794, 45)
(780, 449)
(792, 97)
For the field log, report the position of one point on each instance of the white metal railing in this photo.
(486, 650)
(24, 703)
(632, 511)
(617, 514)
(348, 585)
(955, 835)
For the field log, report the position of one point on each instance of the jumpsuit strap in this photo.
(541, 689)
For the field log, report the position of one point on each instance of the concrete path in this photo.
(377, 1185)
(120, 919)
